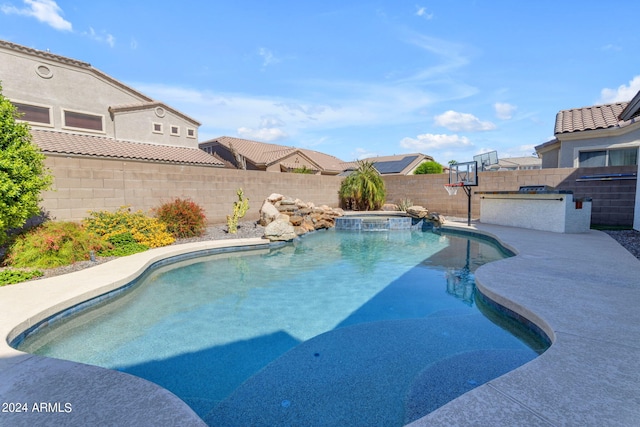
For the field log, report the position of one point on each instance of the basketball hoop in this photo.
(452, 188)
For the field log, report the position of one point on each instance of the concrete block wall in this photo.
(613, 200)
(82, 185)
(87, 184)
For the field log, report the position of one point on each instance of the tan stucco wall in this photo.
(604, 139)
(82, 89)
(83, 185)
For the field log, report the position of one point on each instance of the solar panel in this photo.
(394, 166)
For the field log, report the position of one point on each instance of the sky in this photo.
(354, 79)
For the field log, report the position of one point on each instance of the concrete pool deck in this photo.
(581, 289)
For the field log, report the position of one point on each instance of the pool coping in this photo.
(561, 282)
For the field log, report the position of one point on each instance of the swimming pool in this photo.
(339, 328)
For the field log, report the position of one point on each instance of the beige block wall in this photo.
(613, 201)
(83, 185)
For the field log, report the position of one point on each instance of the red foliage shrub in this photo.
(183, 217)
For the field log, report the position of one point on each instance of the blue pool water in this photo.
(339, 328)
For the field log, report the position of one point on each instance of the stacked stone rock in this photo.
(285, 218)
(420, 212)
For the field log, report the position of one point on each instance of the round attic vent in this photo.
(159, 111)
(44, 71)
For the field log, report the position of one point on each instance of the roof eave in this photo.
(632, 109)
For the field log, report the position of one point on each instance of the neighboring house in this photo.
(601, 135)
(76, 110)
(402, 164)
(254, 155)
(516, 163)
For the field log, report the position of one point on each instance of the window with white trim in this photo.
(157, 128)
(37, 114)
(613, 157)
(191, 133)
(84, 121)
(175, 130)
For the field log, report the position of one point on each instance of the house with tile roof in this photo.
(262, 156)
(76, 110)
(398, 164)
(600, 135)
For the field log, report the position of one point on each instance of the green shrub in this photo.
(54, 244)
(11, 276)
(183, 218)
(123, 244)
(23, 173)
(147, 231)
(428, 168)
(303, 170)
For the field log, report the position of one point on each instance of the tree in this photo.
(428, 167)
(363, 189)
(23, 174)
(303, 170)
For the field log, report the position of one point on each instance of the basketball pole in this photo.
(467, 190)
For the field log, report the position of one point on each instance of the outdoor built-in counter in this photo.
(536, 208)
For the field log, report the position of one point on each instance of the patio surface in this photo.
(583, 290)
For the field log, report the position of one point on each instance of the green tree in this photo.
(364, 189)
(23, 175)
(428, 167)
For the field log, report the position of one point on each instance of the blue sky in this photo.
(354, 78)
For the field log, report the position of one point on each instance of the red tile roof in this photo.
(589, 118)
(52, 142)
(268, 154)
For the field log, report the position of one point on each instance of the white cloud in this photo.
(504, 111)
(422, 12)
(104, 38)
(46, 11)
(622, 93)
(262, 134)
(449, 56)
(457, 122)
(268, 58)
(362, 153)
(611, 47)
(526, 150)
(429, 141)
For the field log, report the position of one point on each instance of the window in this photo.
(191, 133)
(628, 156)
(591, 159)
(77, 120)
(34, 113)
(157, 128)
(175, 130)
(622, 157)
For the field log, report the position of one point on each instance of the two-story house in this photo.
(76, 110)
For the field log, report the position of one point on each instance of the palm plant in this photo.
(363, 189)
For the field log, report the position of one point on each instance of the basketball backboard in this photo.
(486, 159)
(465, 173)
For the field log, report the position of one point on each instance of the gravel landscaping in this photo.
(629, 239)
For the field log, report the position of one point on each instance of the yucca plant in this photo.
(364, 189)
